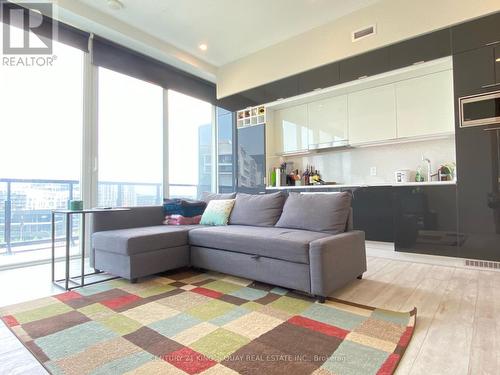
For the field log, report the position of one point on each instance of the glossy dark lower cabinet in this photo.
(449, 220)
(425, 220)
(373, 212)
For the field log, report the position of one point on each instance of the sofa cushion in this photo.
(261, 210)
(184, 207)
(286, 244)
(207, 196)
(319, 212)
(139, 240)
(217, 212)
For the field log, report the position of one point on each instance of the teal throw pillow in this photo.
(217, 212)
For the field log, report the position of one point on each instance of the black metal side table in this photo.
(64, 283)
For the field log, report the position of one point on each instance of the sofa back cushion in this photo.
(260, 210)
(317, 212)
(208, 196)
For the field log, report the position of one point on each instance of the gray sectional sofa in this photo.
(301, 242)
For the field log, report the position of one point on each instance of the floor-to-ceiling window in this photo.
(130, 141)
(190, 146)
(40, 152)
(45, 129)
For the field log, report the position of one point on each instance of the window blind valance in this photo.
(113, 56)
(110, 55)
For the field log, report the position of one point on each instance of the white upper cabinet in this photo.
(417, 104)
(291, 130)
(372, 115)
(424, 105)
(328, 121)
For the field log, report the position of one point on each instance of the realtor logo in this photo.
(25, 30)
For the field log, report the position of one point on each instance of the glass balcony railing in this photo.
(128, 194)
(26, 205)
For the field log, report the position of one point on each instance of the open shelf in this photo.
(251, 116)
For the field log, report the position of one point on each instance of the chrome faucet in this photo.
(429, 170)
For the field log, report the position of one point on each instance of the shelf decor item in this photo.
(75, 205)
(251, 116)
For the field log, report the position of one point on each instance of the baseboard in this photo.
(388, 246)
(386, 250)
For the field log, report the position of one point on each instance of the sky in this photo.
(41, 112)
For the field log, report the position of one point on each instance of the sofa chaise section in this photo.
(131, 244)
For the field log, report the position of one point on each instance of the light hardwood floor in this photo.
(457, 331)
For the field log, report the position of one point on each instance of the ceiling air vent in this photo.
(364, 33)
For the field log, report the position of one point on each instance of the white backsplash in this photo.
(352, 166)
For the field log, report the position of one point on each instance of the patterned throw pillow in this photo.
(217, 212)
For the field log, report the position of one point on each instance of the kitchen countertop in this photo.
(432, 183)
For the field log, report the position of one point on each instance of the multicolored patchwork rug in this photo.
(207, 323)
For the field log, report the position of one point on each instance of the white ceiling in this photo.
(232, 29)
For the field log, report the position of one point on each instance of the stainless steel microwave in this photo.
(482, 109)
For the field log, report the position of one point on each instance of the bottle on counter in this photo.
(272, 177)
(298, 179)
(419, 177)
(309, 176)
(283, 174)
(290, 178)
(295, 178)
(305, 176)
(315, 178)
(278, 177)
